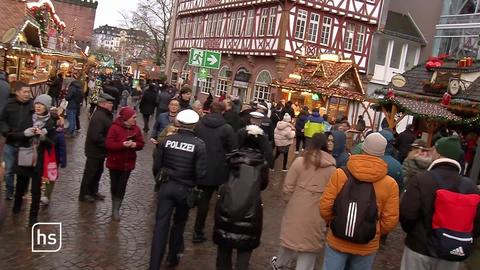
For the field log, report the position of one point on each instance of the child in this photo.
(60, 151)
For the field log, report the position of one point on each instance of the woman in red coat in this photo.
(123, 140)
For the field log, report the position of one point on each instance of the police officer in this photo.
(181, 160)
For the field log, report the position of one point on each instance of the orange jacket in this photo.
(368, 169)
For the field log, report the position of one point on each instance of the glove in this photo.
(29, 132)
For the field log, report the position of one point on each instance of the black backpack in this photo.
(240, 195)
(355, 211)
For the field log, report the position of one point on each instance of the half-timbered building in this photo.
(260, 40)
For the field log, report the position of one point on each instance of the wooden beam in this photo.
(432, 127)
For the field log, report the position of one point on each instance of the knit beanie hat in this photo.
(44, 99)
(449, 147)
(375, 145)
(287, 118)
(126, 113)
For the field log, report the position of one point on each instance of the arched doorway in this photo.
(240, 83)
(262, 89)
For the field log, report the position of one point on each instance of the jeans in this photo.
(300, 141)
(224, 259)
(172, 197)
(202, 207)
(9, 156)
(336, 260)
(285, 157)
(118, 183)
(91, 176)
(305, 260)
(72, 120)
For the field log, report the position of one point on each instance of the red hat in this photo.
(126, 113)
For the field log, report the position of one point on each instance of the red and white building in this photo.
(260, 40)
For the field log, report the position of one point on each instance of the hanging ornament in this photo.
(390, 93)
(446, 99)
(433, 62)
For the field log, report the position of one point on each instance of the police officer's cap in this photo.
(257, 115)
(188, 117)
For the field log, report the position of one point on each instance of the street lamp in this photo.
(123, 35)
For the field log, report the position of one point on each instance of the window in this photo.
(262, 27)
(222, 82)
(185, 72)
(174, 77)
(209, 25)
(300, 24)
(411, 57)
(313, 27)
(250, 17)
(360, 40)
(349, 36)
(272, 21)
(396, 55)
(189, 26)
(231, 28)
(262, 88)
(239, 23)
(200, 26)
(205, 86)
(214, 25)
(219, 24)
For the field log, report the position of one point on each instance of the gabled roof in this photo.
(403, 26)
(326, 77)
(472, 92)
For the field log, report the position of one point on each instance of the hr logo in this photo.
(47, 237)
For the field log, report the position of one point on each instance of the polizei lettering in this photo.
(180, 146)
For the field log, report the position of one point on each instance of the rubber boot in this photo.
(116, 203)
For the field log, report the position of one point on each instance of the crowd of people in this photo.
(341, 199)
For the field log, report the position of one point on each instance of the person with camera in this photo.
(180, 163)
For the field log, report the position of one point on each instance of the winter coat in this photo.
(404, 141)
(394, 167)
(4, 91)
(74, 95)
(413, 166)
(339, 148)
(184, 104)
(148, 102)
(253, 137)
(276, 117)
(245, 233)
(15, 118)
(303, 188)
(55, 87)
(163, 120)
(371, 169)
(300, 124)
(284, 134)
(97, 133)
(267, 127)
(233, 119)
(219, 139)
(182, 157)
(314, 124)
(119, 157)
(417, 206)
(163, 99)
(46, 142)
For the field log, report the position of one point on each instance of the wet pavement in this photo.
(91, 240)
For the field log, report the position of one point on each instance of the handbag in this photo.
(27, 156)
(50, 168)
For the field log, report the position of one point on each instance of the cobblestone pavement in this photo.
(91, 240)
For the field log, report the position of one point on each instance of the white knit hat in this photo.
(375, 145)
(287, 118)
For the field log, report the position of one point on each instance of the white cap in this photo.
(188, 117)
(258, 115)
(262, 107)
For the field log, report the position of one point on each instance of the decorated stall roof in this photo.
(328, 76)
(472, 92)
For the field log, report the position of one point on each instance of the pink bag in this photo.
(50, 168)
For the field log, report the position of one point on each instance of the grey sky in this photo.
(108, 11)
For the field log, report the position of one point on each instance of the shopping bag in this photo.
(50, 168)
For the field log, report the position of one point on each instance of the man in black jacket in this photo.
(13, 121)
(417, 206)
(181, 161)
(74, 98)
(219, 139)
(95, 149)
(404, 141)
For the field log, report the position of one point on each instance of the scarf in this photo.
(39, 121)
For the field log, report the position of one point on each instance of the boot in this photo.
(116, 203)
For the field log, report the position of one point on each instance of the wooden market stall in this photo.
(445, 94)
(329, 83)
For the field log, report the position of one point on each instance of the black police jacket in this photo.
(15, 118)
(182, 157)
(98, 127)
